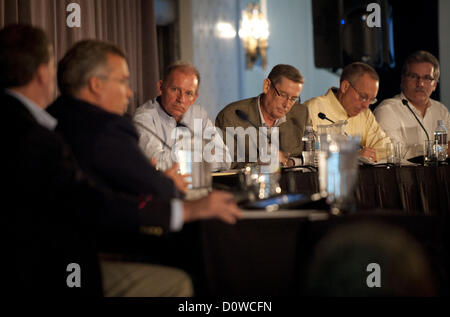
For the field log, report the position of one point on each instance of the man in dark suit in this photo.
(49, 221)
(93, 80)
(277, 107)
(55, 214)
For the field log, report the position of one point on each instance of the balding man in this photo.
(357, 91)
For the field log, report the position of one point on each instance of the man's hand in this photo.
(284, 159)
(217, 204)
(180, 180)
(369, 153)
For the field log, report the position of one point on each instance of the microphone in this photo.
(322, 116)
(405, 102)
(154, 134)
(243, 116)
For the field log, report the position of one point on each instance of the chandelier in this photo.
(254, 33)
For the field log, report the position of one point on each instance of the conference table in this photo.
(269, 253)
(412, 189)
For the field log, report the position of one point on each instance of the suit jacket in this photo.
(56, 214)
(106, 147)
(290, 132)
(49, 225)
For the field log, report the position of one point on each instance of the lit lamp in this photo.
(254, 33)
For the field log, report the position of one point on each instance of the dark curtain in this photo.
(130, 24)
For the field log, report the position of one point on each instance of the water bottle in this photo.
(440, 137)
(309, 146)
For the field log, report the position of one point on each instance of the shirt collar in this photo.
(167, 116)
(332, 93)
(39, 114)
(417, 111)
(277, 122)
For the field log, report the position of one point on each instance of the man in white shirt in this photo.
(420, 75)
(173, 114)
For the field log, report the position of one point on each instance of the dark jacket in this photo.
(49, 222)
(55, 214)
(106, 147)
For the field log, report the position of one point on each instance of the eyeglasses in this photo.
(363, 97)
(284, 96)
(426, 79)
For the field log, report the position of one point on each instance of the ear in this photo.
(344, 86)
(160, 86)
(196, 96)
(95, 85)
(434, 86)
(266, 85)
(43, 74)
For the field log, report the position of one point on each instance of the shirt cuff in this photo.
(176, 219)
(297, 161)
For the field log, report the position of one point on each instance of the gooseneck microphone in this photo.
(405, 102)
(322, 116)
(154, 134)
(243, 116)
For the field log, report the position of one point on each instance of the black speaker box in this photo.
(342, 34)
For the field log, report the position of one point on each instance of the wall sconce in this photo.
(254, 33)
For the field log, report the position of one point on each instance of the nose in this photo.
(181, 97)
(129, 92)
(420, 82)
(366, 104)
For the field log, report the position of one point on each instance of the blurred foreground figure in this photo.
(347, 261)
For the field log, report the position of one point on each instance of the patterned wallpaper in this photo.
(216, 53)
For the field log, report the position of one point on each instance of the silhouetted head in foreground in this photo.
(369, 260)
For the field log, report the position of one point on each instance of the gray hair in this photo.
(183, 66)
(84, 60)
(422, 57)
(284, 70)
(354, 71)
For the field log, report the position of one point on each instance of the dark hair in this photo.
(22, 49)
(288, 71)
(354, 71)
(422, 57)
(182, 66)
(85, 59)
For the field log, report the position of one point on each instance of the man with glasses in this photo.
(173, 108)
(357, 91)
(420, 75)
(277, 107)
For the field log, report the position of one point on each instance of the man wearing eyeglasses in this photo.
(277, 107)
(357, 91)
(420, 75)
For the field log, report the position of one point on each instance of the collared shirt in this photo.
(401, 126)
(41, 116)
(277, 123)
(363, 124)
(153, 117)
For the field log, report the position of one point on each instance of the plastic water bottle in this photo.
(440, 137)
(309, 146)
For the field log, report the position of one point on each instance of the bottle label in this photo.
(308, 146)
(441, 138)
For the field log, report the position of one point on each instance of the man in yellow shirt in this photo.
(358, 89)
